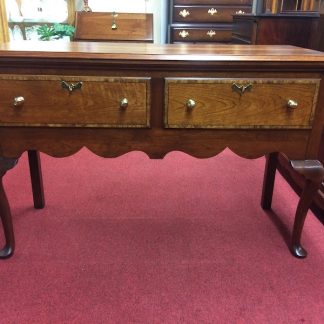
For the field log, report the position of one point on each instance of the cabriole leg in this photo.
(5, 214)
(313, 171)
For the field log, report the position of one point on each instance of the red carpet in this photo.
(179, 240)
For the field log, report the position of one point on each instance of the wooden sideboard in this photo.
(204, 20)
(114, 98)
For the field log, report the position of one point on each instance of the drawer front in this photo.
(107, 26)
(200, 34)
(240, 103)
(213, 2)
(74, 101)
(207, 14)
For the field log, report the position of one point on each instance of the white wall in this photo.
(157, 7)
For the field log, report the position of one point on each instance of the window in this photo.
(25, 16)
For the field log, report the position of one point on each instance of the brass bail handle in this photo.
(241, 88)
(71, 86)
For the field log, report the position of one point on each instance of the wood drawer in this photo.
(223, 103)
(214, 2)
(207, 14)
(98, 26)
(45, 101)
(202, 34)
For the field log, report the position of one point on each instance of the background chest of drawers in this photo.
(204, 20)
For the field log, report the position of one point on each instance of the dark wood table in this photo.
(57, 97)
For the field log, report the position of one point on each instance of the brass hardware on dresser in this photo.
(183, 33)
(190, 104)
(19, 101)
(203, 18)
(114, 24)
(184, 13)
(241, 88)
(212, 11)
(292, 104)
(123, 103)
(71, 86)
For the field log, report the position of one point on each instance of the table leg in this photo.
(5, 214)
(268, 180)
(36, 179)
(313, 171)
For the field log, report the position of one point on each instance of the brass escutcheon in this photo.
(212, 11)
(71, 86)
(183, 33)
(241, 88)
(184, 13)
(211, 33)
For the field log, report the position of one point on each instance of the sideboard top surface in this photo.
(158, 52)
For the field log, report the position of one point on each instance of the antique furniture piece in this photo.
(113, 98)
(284, 29)
(113, 26)
(204, 20)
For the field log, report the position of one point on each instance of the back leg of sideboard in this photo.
(268, 180)
(36, 178)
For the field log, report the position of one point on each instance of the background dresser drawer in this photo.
(240, 103)
(89, 102)
(207, 14)
(202, 34)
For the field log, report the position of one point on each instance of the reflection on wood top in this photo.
(161, 52)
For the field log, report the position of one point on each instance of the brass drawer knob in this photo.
(190, 104)
(184, 13)
(19, 101)
(212, 11)
(184, 33)
(123, 103)
(292, 104)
